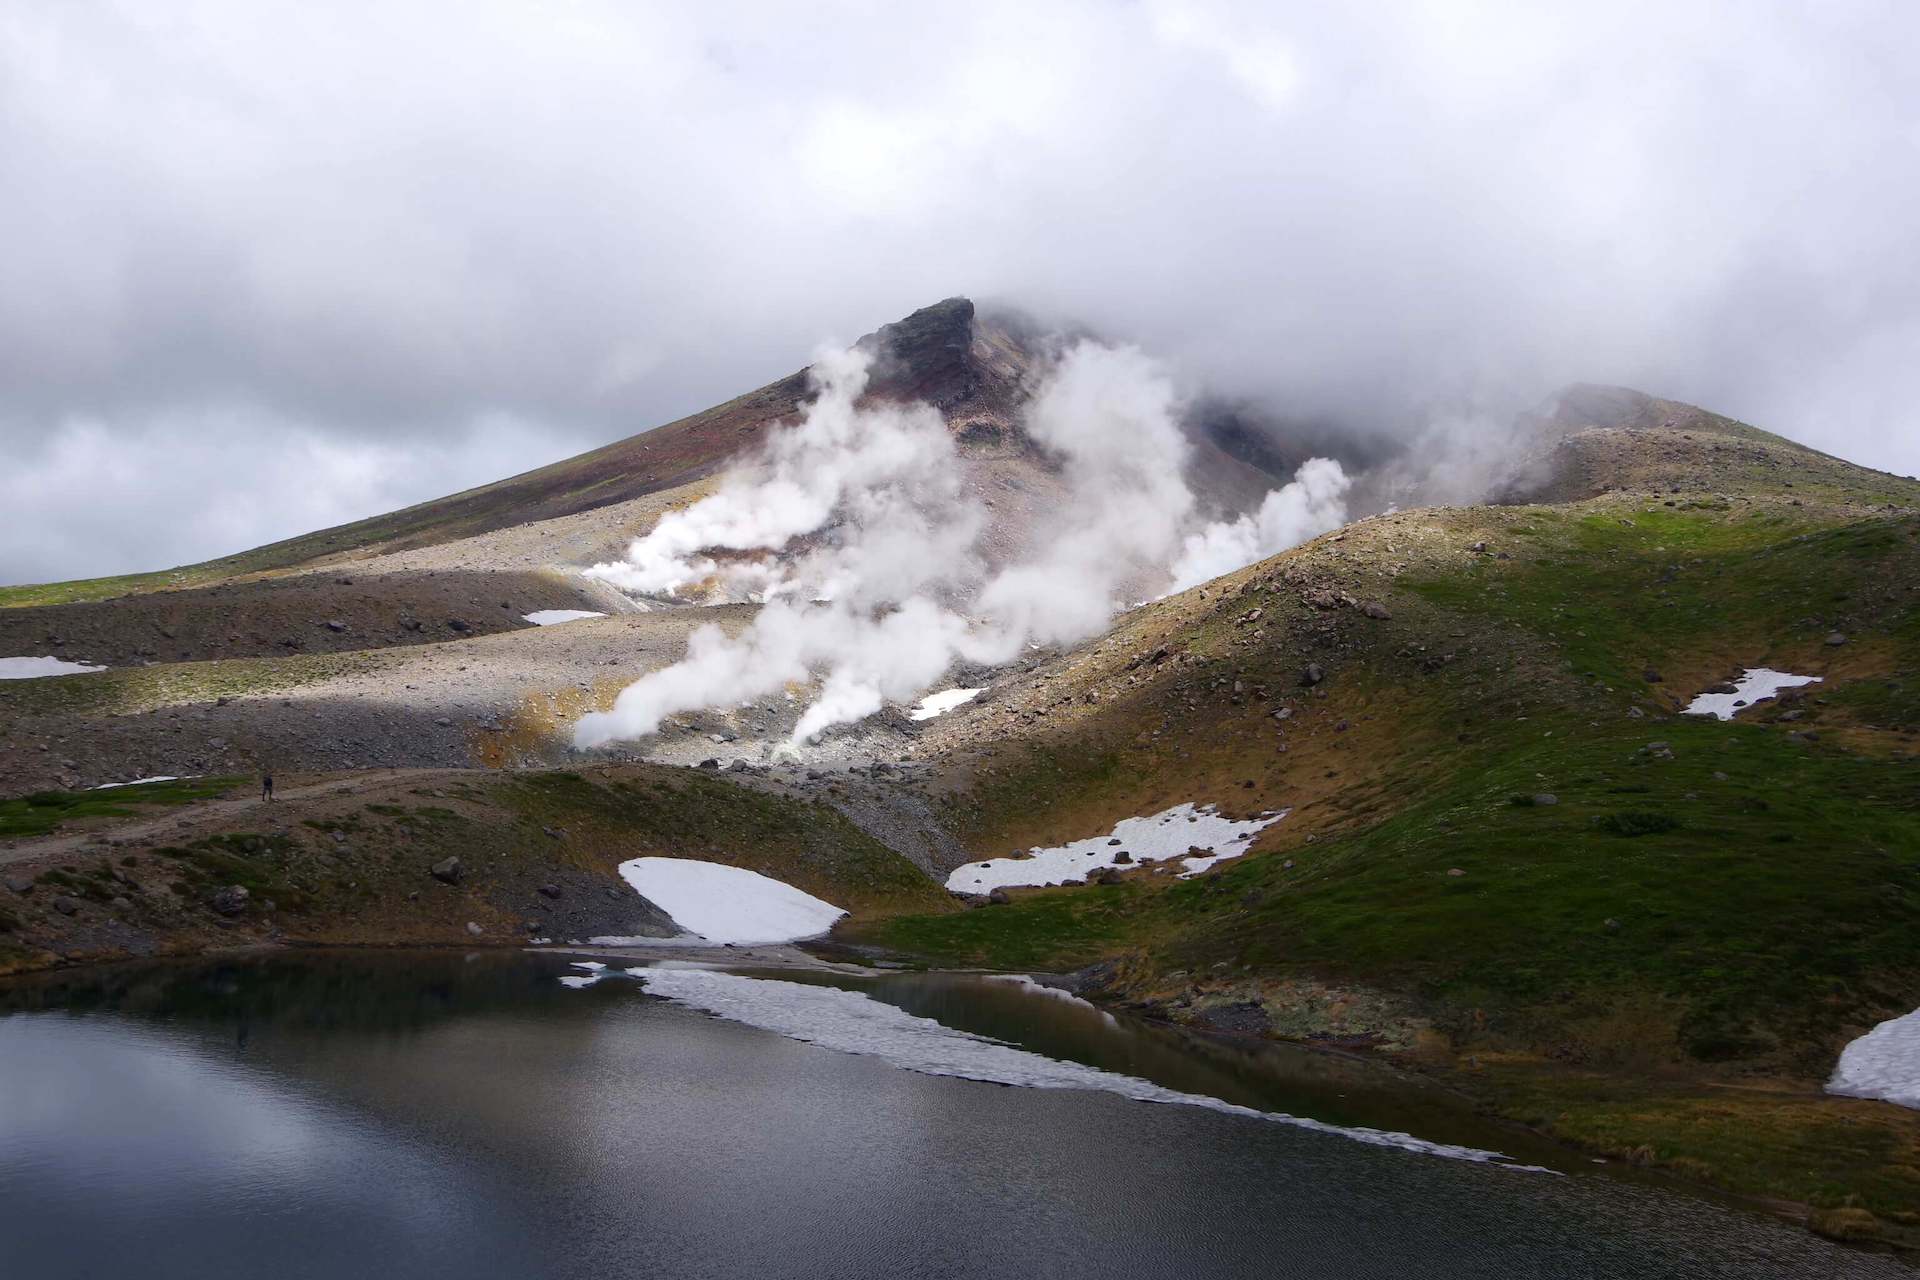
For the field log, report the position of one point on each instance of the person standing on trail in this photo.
(266, 784)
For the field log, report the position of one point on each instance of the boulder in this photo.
(1836, 638)
(446, 871)
(1374, 609)
(474, 929)
(550, 891)
(1546, 798)
(65, 906)
(1311, 674)
(230, 901)
(19, 883)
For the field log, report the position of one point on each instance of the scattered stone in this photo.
(554, 833)
(446, 871)
(1112, 842)
(474, 929)
(1546, 798)
(1374, 609)
(999, 897)
(230, 901)
(20, 884)
(1455, 871)
(1610, 925)
(1312, 674)
(65, 906)
(1836, 638)
(1244, 1017)
(550, 891)
(1651, 676)
(1122, 858)
(1106, 875)
(335, 625)
(710, 763)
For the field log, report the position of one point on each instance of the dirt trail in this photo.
(147, 829)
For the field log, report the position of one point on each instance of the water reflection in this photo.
(428, 1115)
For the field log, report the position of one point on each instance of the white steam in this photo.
(855, 529)
(885, 476)
(1312, 503)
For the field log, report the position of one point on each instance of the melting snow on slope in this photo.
(32, 668)
(548, 617)
(851, 1022)
(1164, 835)
(137, 782)
(1884, 1063)
(938, 704)
(728, 904)
(1754, 685)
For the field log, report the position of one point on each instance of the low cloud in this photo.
(381, 225)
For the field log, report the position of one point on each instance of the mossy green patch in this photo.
(44, 811)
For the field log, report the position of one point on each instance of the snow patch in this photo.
(938, 704)
(850, 1022)
(138, 782)
(34, 668)
(1884, 1063)
(1164, 835)
(728, 904)
(1754, 685)
(552, 617)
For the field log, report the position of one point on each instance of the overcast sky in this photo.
(265, 267)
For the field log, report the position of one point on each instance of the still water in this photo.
(438, 1115)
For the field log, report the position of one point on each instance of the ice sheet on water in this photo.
(851, 1022)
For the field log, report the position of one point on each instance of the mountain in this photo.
(1508, 858)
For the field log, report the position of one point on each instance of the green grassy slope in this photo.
(1702, 916)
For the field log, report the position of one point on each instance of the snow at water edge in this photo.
(938, 704)
(728, 904)
(1164, 835)
(1754, 685)
(851, 1022)
(1883, 1064)
(553, 617)
(34, 668)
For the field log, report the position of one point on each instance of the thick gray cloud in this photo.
(266, 265)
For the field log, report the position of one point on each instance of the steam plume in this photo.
(877, 587)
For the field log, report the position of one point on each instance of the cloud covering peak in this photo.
(379, 227)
